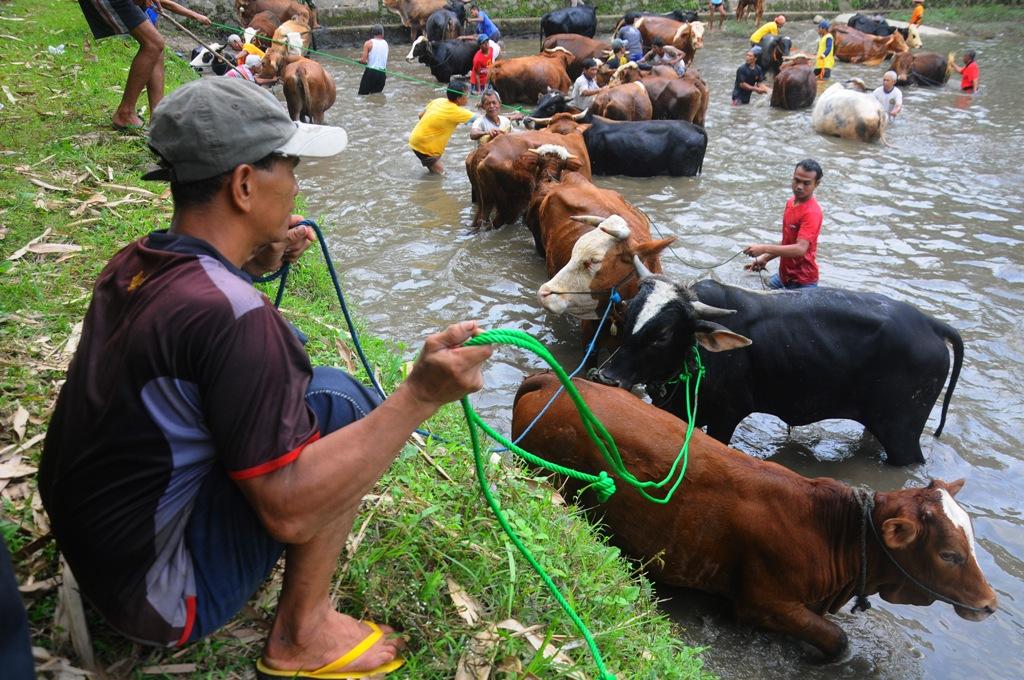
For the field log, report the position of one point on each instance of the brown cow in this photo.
(784, 548)
(861, 48)
(756, 8)
(794, 86)
(927, 69)
(265, 23)
(686, 100)
(284, 10)
(525, 79)
(564, 209)
(582, 48)
(501, 187)
(274, 60)
(623, 102)
(685, 37)
(308, 89)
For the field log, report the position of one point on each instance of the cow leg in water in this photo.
(901, 439)
(797, 620)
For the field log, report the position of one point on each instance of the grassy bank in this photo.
(69, 190)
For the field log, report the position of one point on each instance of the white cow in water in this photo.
(849, 112)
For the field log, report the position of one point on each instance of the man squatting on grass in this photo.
(193, 443)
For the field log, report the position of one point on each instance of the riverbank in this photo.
(425, 555)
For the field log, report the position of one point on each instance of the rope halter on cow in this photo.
(865, 498)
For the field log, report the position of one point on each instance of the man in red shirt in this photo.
(968, 72)
(482, 61)
(801, 225)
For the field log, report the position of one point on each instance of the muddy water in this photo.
(934, 219)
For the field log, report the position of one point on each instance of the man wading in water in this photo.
(193, 443)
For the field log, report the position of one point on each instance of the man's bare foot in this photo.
(316, 643)
(121, 120)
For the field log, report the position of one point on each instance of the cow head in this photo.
(930, 536)
(896, 44)
(560, 53)
(903, 65)
(202, 60)
(458, 8)
(697, 34)
(549, 104)
(663, 322)
(627, 73)
(547, 162)
(913, 38)
(422, 50)
(601, 259)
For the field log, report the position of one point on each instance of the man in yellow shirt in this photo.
(826, 59)
(917, 16)
(771, 28)
(437, 123)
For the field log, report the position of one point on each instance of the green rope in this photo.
(355, 62)
(603, 483)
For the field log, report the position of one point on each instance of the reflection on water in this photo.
(933, 218)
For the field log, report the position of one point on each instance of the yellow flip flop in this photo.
(335, 669)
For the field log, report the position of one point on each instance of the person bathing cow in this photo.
(437, 123)
(586, 87)
(889, 96)
(492, 123)
(375, 57)
(826, 58)
(801, 226)
(749, 78)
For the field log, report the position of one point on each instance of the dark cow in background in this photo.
(444, 59)
(785, 549)
(526, 79)
(633, 148)
(816, 354)
(795, 85)
(581, 20)
(582, 48)
(876, 25)
(415, 13)
(774, 49)
(927, 69)
(442, 25)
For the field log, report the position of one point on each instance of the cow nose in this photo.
(599, 376)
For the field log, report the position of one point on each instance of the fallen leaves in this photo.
(70, 616)
(466, 607)
(19, 421)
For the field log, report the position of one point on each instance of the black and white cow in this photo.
(445, 59)
(816, 354)
(203, 61)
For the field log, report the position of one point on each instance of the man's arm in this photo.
(185, 12)
(763, 253)
(332, 474)
(366, 52)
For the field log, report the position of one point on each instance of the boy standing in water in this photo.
(968, 72)
(437, 123)
(375, 56)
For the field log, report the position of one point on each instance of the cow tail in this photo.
(951, 335)
(304, 99)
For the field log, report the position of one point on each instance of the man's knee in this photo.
(149, 38)
(338, 399)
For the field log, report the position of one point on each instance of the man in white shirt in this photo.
(585, 87)
(889, 96)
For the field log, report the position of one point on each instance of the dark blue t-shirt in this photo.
(751, 75)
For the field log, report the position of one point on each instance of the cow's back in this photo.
(729, 519)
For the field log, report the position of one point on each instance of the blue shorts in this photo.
(775, 283)
(112, 17)
(232, 553)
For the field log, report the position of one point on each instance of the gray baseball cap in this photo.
(212, 125)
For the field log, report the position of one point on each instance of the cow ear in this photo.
(715, 338)
(582, 127)
(572, 163)
(898, 532)
(954, 487)
(649, 249)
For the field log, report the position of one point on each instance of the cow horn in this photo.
(533, 151)
(588, 219)
(579, 116)
(708, 312)
(642, 271)
(541, 121)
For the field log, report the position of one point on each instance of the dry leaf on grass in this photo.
(170, 669)
(475, 662)
(71, 346)
(346, 354)
(38, 586)
(17, 254)
(536, 641)
(53, 248)
(131, 189)
(15, 469)
(45, 185)
(19, 421)
(70, 616)
(465, 605)
(95, 199)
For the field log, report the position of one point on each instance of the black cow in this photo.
(202, 60)
(581, 20)
(446, 58)
(442, 25)
(640, 148)
(816, 354)
(875, 26)
(773, 49)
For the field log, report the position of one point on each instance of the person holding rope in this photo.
(375, 56)
(193, 443)
(801, 226)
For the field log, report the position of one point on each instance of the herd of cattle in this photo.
(784, 548)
